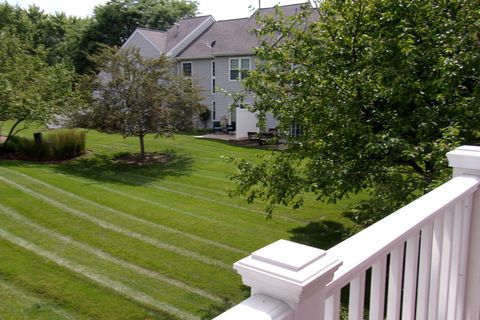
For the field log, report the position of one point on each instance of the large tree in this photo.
(115, 21)
(380, 90)
(57, 35)
(31, 90)
(136, 96)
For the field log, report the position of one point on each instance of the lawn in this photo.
(92, 239)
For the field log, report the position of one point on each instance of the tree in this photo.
(381, 89)
(115, 21)
(30, 89)
(56, 35)
(137, 96)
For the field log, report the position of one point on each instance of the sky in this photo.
(219, 9)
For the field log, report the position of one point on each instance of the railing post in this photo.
(465, 160)
(292, 273)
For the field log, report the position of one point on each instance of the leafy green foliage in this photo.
(204, 114)
(31, 90)
(56, 35)
(381, 89)
(55, 145)
(136, 95)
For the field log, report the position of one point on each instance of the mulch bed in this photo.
(21, 157)
(150, 158)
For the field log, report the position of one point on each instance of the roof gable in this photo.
(193, 37)
(175, 39)
(232, 37)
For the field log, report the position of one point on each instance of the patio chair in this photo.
(217, 127)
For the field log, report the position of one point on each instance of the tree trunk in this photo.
(2, 149)
(142, 147)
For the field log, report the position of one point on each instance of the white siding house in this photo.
(217, 54)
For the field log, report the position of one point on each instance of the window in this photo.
(214, 111)
(213, 77)
(239, 68)
(187, 69)
(295, 130)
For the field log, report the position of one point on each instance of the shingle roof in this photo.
(182, 29)
(156, 37)
(166, 40)
(231, 37)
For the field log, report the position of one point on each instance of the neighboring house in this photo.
(217, 54)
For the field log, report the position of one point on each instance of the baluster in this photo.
(332, 306)
(445, 264)
(395, 283)
(410, 282)
(424, 272)
(356, 297)
(435, 270)
(377, 291)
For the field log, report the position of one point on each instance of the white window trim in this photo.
(181, 67)
(240, 65)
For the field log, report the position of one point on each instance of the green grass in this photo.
(91, 239)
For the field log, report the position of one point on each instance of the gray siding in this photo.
(202, 73)
(223, 83)
(146, 48)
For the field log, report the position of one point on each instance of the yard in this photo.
(92, 239)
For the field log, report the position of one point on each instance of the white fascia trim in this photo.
(234, 54)
(194, 58)
(144, 37)
(190, 37)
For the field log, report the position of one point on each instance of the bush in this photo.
(204, 114)
(13, 145)
(30, 150)
(66, 144)
(56, 145)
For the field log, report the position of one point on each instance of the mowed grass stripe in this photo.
(105, 256)
(121, 230)
(224, 220)
(217, 281)
(129, 216)
(24, 297)
(224, 194)
(210, 200)
(88, 273)
(211, 177)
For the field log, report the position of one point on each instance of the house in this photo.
(218, 55)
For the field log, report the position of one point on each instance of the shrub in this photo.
(30, 150)
(204, 114)
(56, 145)
(14, 144)
(66, 144)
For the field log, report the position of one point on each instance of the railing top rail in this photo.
(360, 251)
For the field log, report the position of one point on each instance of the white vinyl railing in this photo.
(415, 258)
(421, 262)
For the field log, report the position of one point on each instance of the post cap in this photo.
(286, 269)
(465, 157)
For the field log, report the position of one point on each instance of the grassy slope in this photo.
(92, 240)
